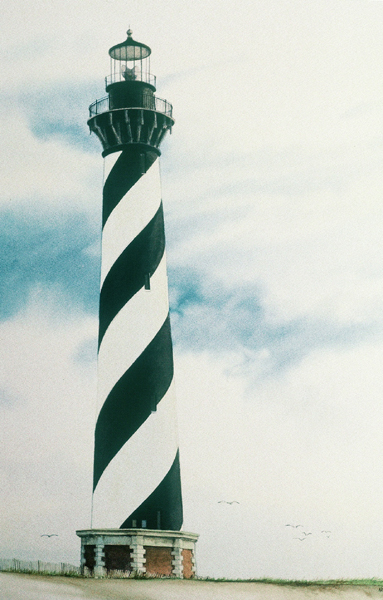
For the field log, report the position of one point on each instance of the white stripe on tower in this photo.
(133, 473)
(130, 215)
(136, 465)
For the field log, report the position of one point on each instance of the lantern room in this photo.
(130, 62)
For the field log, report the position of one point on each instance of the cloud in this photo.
(59, 112)
(45, 251)
(45, 172)
(299, 448)
(46, 457)
(312, 249)
(207, 316)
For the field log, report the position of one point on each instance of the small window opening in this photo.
(142, 164)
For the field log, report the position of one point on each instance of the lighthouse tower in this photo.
(137, 502)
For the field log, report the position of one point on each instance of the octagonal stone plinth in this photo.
(151, 552)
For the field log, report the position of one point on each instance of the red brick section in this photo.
(158, 560)
(117, 558)
(187, 556)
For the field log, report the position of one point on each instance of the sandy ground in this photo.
(34, 587)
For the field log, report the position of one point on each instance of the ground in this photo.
(35, 587)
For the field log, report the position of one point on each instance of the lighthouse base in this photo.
(130, 552)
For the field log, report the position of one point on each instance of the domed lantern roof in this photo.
(129, 50)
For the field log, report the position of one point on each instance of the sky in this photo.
(272, 189)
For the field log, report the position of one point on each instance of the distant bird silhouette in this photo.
(293, 526)
(306, 534)
(326, 532)
(226, 502)
(49, 535)
(300, 539)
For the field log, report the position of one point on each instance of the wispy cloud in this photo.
(206, 316)
(43, 250)
(59, 111)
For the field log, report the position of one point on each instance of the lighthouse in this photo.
(136, 502)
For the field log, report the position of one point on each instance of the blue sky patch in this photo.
(208, 316)
(61, 111)
(39, 250)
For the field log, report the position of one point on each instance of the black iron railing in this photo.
(160, 105)
(99, 106)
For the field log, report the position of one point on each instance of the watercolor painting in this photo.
(272, 192)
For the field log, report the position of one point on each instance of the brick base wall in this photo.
(187, 562)
(158, 560)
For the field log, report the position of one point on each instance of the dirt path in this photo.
(34, 587)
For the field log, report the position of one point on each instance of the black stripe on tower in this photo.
(127, 276)
(133, 398)
(163, 508)
(126, 171)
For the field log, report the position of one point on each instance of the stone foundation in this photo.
(148, 551)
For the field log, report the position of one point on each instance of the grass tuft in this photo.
(300, 582)
(374, 581)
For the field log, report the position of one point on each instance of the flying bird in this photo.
(226, 502)
(293, 526)
(48, 534)
(327, 533)
(306, 534)
(300, 539)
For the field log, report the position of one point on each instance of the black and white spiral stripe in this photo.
(136, 460)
